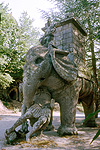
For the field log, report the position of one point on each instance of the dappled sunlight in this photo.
(51, 139)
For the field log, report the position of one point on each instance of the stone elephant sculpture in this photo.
(56, 71)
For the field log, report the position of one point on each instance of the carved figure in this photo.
(55, 70)
(65, 80)
(48, 37)
(39, 115)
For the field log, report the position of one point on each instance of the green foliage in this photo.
(97, 134)
(88, 117)
(10, 47)
(15, 40)
(16, 110)
(91, 115)
(28, 32)
(5, 80)
(6, 104)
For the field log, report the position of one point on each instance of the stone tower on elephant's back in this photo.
(70, 36)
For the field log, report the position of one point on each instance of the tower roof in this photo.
(73, 20)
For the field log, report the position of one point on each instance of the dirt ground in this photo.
(50, 140)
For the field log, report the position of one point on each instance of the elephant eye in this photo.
(39, 60)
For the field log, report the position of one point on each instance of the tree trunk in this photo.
(95, 75)
(91, 39)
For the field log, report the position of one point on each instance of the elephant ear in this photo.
(63, 65)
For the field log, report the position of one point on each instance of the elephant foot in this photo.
(90, 124)
(65, 130)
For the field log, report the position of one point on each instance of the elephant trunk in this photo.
(33, 78)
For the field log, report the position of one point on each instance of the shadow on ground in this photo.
(51, 140)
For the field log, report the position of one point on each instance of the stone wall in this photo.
(69, 36)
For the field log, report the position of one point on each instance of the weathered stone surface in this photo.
(39, 115)
(59, 71)
(69, 37)
(52, 73)
(11, 137)
(65, 93)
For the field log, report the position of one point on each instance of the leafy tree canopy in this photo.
(15, 40)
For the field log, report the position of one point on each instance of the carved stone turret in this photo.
(70, 36)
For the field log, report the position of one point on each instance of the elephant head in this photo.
(37, 68)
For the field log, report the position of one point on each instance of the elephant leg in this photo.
(68, 102)
(88, 106)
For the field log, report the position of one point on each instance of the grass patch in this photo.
(40, 143)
